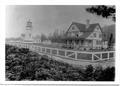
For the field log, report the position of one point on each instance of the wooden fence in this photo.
(70, 54)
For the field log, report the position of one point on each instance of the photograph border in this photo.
(58, 2)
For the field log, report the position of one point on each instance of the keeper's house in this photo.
(89, 36)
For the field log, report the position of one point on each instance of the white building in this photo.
(85, 35)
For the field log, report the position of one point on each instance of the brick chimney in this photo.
(87, 23)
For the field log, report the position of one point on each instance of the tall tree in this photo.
(103, 10)
(56, 36)
(43, 37)
(110, 40)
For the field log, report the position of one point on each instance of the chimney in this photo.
(87, 23)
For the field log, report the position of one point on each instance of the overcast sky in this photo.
(47, 18)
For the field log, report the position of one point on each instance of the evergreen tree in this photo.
(102, 10)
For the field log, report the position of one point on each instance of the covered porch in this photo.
(78, 43)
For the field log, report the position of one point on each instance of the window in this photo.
(77, 35)
(69, 34)
(73, 28)
(97, 28)
(98, 42)
(100, 35)
(72, 34)
(94, 34)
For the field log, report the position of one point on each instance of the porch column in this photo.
(73, 43)
(83, 43)
(92, 44)
(79, 42)
(67, 42)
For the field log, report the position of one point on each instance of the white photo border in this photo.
(4, 3)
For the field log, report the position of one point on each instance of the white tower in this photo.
(28, 34)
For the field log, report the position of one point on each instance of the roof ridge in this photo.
(83, 23)
(78, 23)
(95, 23)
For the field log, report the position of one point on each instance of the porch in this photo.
(81, 44)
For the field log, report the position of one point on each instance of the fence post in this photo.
(65, 53)
(92, 57)
(75, 55)
(57, 52)
(108, 55)
(32, 47)
(50, 51)
(39, 49)
(100, 56)
(44, 50)
(28, 46)
(113, 54)
(25, 46)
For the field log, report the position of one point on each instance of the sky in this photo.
(47, 18)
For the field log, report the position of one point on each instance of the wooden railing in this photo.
(71, 54)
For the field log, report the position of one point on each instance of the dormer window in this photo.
(77, 35)
(73, 28)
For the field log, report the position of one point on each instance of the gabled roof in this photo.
(82, 28)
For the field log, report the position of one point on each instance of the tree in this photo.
(110, 40)
(43, 37)
(102, 10)
(56, 36)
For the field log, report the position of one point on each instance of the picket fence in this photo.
(70, 54)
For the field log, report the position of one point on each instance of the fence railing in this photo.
(70, 54)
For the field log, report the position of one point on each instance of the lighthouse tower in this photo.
(28, 33)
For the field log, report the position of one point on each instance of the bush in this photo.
(89, 72)
(107, 74)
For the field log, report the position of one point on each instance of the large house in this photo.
(89, 36)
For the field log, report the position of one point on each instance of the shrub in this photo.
(107, 74)
(88, 74)
(22, 64)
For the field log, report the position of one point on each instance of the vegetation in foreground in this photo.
(22, 64)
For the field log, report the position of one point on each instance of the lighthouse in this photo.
(28, 33)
